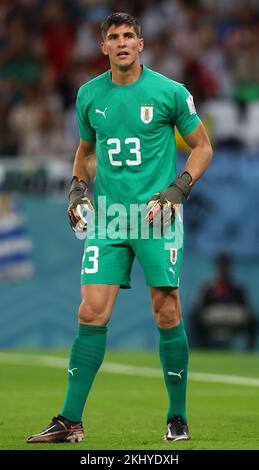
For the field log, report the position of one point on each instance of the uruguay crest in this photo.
(146, 114)
(173, 255)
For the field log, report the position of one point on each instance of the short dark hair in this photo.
(119, 19)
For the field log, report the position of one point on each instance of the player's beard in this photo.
(127, 67)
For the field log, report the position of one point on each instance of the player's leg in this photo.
(89, 346)
(86, 357)
(105, 268)
(174, 353)
(161, 259)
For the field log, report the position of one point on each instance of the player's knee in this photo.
(167, 313)
(91, 314)
(167, 318)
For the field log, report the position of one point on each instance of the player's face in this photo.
(122, 45)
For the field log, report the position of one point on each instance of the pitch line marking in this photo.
(124, 369)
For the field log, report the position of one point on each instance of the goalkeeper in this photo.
(127, 116)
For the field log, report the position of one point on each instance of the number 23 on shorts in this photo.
(92, 252)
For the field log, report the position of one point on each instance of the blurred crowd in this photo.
(48, 48)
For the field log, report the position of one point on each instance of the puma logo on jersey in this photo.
(71, 371)
(98, 111)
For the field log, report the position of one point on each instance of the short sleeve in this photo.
(86, 131)
(186, 119)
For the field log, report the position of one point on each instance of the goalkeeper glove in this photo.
(176, 193)
(78, 203)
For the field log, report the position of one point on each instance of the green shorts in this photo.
(107, 261)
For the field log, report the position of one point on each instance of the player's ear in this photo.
(103, 48)
(140, 44)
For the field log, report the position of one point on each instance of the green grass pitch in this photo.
(128, 411)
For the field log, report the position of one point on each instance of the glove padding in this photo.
(162, 206)
(78, 203)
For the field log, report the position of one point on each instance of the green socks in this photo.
(174, 353)
(87, 356)
(85, 359)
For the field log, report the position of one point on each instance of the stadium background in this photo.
(47, 50)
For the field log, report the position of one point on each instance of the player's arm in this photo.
(201, 154)
(83, 173)
(84, 168)
(180, 188)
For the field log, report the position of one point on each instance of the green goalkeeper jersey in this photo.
(133, 126)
